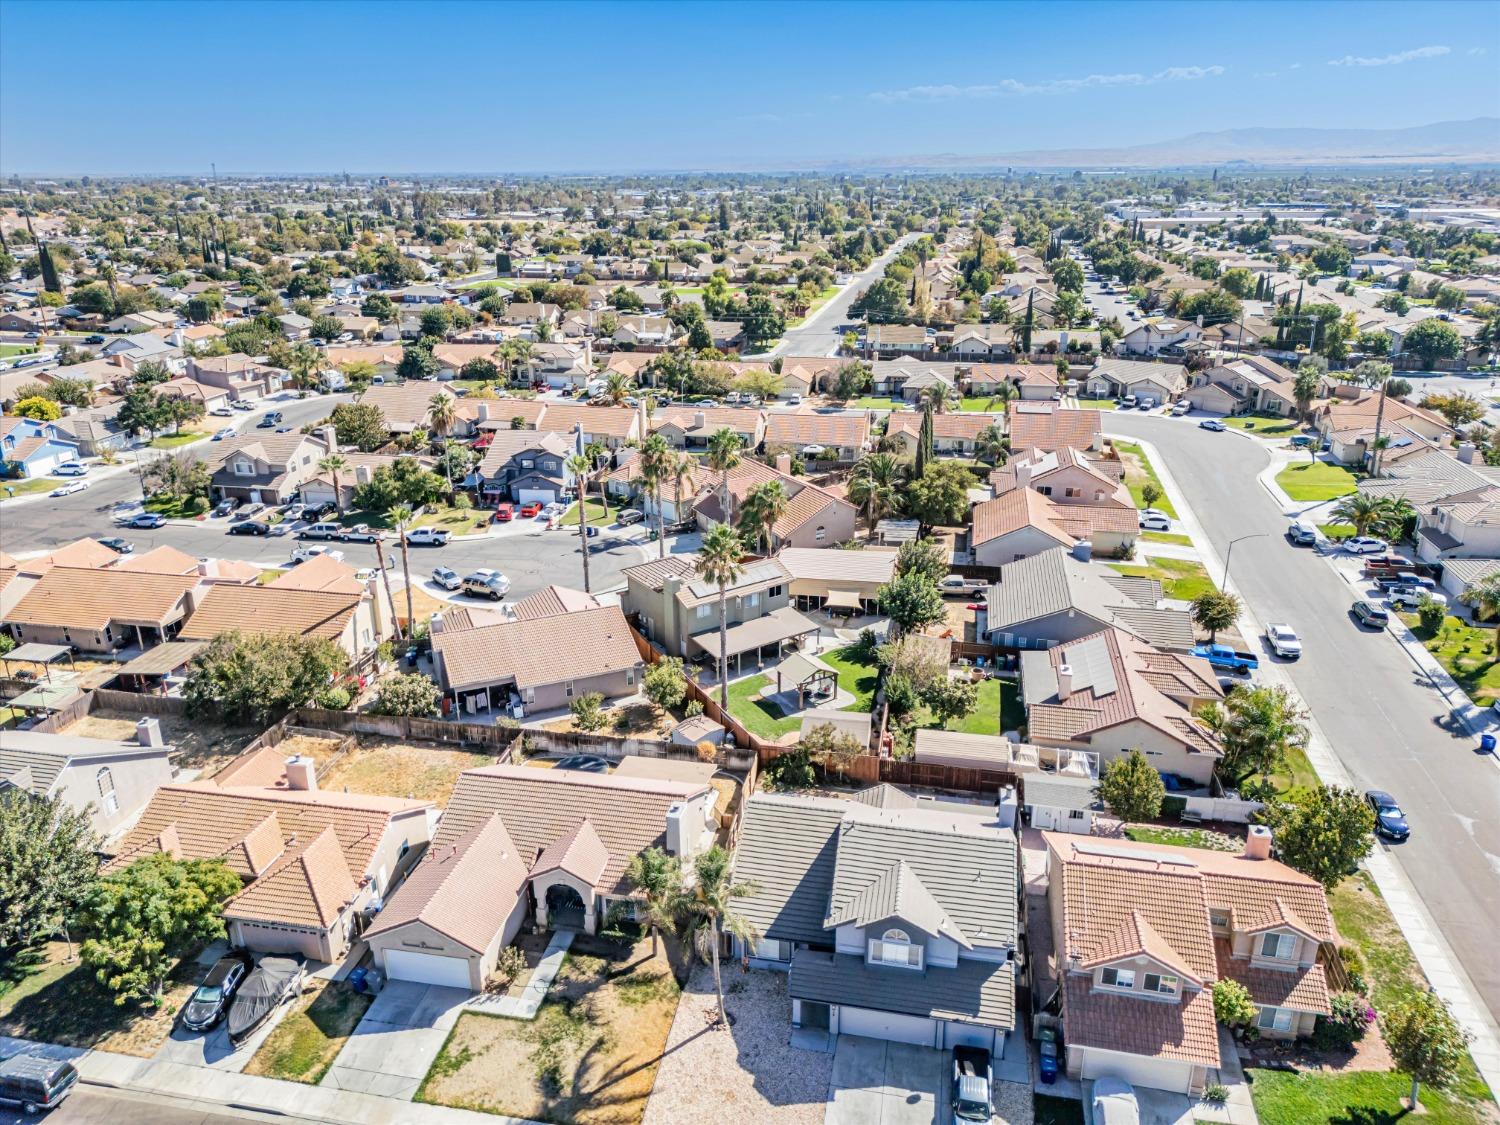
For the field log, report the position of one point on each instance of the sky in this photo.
(141, 87)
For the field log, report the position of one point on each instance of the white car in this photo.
(1156, 521)
(71, 469)
(302, 554)
(1410, 597)
(1181, 408)
(794, 400)
(226, 432)
(71, 487)
(1149, 512)
(446, 578)
(553, 511)
(1364, 545)
(1284, 641)
(1213, 424)
(222, 412)
(428, 537)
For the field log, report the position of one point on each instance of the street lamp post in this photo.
(1229, 553)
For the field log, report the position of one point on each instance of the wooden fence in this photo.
(490, 736)
(737, 730)
(872, 770)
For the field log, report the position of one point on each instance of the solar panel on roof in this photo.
(1091, 666)
(763, 572)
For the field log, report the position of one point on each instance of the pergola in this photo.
(812, 679)
(34, 652)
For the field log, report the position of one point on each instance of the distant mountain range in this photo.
(1444, 142)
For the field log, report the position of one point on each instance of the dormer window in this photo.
(1112, 977)
(1160, 984)
(895, 947)
(1218, 919)
(1278, 947)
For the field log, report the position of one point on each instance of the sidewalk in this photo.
(1432, 952)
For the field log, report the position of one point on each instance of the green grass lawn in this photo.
(1096, 403)
(818, 302)
(1180, 837)
(306, 1042)
(1337, 530)
(983, 404)
(1167, 537)
(873, 402)
(1180, 578)
(854, 677)
(596, 511)
(1360, 1098)
(172, 441)
(1466, 653)
(1264, 425)
(19, 487)
(460, 521)
(760, 718)
(173, 507)
(1296, 774)
(999, 709)
(1317, 480)
(8, 350)
(1139, 470)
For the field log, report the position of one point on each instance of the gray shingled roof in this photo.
(787, 849)
(899, 893)
(971, 992)
(1060, 791)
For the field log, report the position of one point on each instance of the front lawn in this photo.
(1180, 578)
(983, 404)
(759, 716)
(172, 507)
(18, 486)
(869, 402)
(1096, 404)
(1466, 653)
(1363, 1097)
(310, 1037)
(854, 677)
(8, 350)
(1317, 480)
(1167, 537)
(595, 511)
(1181, 837)
(1262, 425)
(172, 441)
(460, 521)
(1138, 471)
(1336, 531)
(590, 1056)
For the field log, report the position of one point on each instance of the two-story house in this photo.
(526, 466)
(1249, 383)
(1141, 932)
(894, 919)
(30, 448)
(269, 468)
(108, 779)
(242, 376)
(1064, 475)
(1160, 336)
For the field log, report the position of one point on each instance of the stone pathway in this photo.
(526, 1005)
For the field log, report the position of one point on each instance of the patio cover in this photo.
(48, 696)
(163, 659)
(779, 625)
(38, 653)
(842, 599)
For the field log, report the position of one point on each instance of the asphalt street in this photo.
(100, 1105)
(1385, 723)
(821, 333)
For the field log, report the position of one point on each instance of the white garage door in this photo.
(426, 968)
(1158, 1074)
(540, 495)
(886, 1025)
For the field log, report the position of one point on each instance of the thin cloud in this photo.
(947, 93)
(1392, 60)
(1478, 50)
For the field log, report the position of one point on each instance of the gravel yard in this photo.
(749, 1074)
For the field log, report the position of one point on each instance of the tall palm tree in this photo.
(441, 413)
(1484, 596)
(764, 505)
(992, 445)
(935, 397)
(655, 454)
(581, 466)
(873, 486)
(658, 877)
(679, 471)
(399, 518)
(306, 360)
(719, 562)
(333, 465)
(385, 580)
(724, 456)
(708, 905)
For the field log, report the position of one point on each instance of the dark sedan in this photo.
(250, 527)
(211, 1000)
(1390, 821)
(117, 545)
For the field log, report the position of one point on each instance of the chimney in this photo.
(784, 464)
(1064, 681)
(361, 474)
(435, 624)
(1468, 453)
(1023, 473)
(301, 773)
(205, 567)
(148, 732)
(330, 438)
(484, 411)
(1258, 842)
(700, 420)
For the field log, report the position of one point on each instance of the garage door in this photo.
(539, 495)
(1158, 1074)
(427, 968)
(886, 1025)
(969, 1035)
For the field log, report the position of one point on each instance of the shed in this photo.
(1060, 803)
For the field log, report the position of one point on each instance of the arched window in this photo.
(894, 947)
(107, 798)
(895, 935)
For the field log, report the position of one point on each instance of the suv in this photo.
(35, 1083)
(486, 584)
(447, 578)
(1302, 533)
(321, 531)
(1367, 613)
(270, 420)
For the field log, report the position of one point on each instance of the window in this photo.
(1218, 919)
(820, 534)
(568, 690)
(1072, 491)
(527, 463)
(630, 676)
(895, 947)
(1075, 814)
(1278, 946)
(107, 797)
(1162, 985)
(751, 601)
(1045, 490)
(705, 609)
(243, 469)
(1275, 1019)
(1117, 978)
(774, 592)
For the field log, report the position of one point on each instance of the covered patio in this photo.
(773, 630)
(35, 652)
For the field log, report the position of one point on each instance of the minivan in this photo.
(1302, 533)
(35, 1083)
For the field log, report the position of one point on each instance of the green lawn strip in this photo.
(1048, 1110)
(1167, 537)
(854, 677)
(306, 1042)
(874, 402)
(594, 512)
(26, 973)
(1297, 773)
(172, 507)
(1180, 837)
(1337, 530)
(172, 441)
(1137, 474)
(1265, 425)
(28, 486)
(1317, 480)
(460, 521)
(760, 717)
(8, 350)
(1096, 404)
(983, 405)
(999, 709)
(1363, 1097)
(1466, 653)
(1180, 578)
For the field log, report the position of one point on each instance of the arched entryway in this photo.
(565, 909)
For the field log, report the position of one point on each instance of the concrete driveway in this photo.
(213, 1049)
(1158, 1107)
(879, 1083)
(392, 1048)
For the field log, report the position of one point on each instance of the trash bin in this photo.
(1487, 743)
(357, 979)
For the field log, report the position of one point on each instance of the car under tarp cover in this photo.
(1114, 1103)
(261, 994)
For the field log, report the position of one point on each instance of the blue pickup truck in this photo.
(1224, 657)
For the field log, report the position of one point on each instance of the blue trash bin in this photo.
(357, 979)
(1487, 743)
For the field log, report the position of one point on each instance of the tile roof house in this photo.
(101, 611)
(1349, 427)
(1065, 475)
(406, 406)
(690, 427)
(525, 465)
(951, 432)
(268, 468)
(1246, 383)
(310, 861)
(514, 835)
(109, 779)
(845, 436)
(1048, 426)
(349, 619)
(1023, 522)
(1141, 932)
(1033, 381)
(32, 449)
(1111, 693)
(897, 920)
(1111, 376)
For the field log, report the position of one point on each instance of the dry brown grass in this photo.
(201, 744)
(320, 750)
(385, 768)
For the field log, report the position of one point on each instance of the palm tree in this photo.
(992, 445)
(764, 505)
(399, 518)
(1484, 596)
(709, 907)
(580, 466)
(873, 486)
(306, 359)
(935, 397)
(679, 471)
(719, 562)
(333, 465)
(724, 456)
(617, 388)
(658, 877)
(655, 454)
(441, 413)
(1359, 509)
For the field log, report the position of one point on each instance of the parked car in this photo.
(302, 554)
(1114, 1102)
(211, 1000)
(147, 521)
(447, 578)
(1410, 597)
(958, 586)
(71, 469)
(429, 537)
(1390, 821)
(241, 404)
(274, 981)
(1212, 424)
(630, 516)
(971, 1084)
(221, 412)
(294, 510)
(249, 510)
(1157, 521)
(117, 545)
(486, 584)
(531, 508)
(321, 531)
(224, 434)
(1396, 579)
(1222, 656)
(1302, 533)
(71, 487)
(249, 527)
(35, 1083)
(1284, 641)
(1364, 545)
(1368, 613)
(223, 508)
(269, 421)
(505, 512)
(794, 400)
(360, 533)
(1126, 401)
(1154, 513)
(1181, 408)
(96, 338)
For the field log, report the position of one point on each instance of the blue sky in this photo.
(140, 87)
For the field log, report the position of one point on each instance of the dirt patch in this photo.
(320, 750)
(200, 744)
(383, 767)
(590, 1056)
(632, 720)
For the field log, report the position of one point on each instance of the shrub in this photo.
(195, 505)
(510, 964)
(664, 683)
(588, 711)
(1232, 1004)
(333, 698)
(409, 694)
(1350, 1017)
(792, 770)
(1430, 616)
(862, 651)
(1173, 806)
(1131, 789)
(1353, 960)
(706, 751)
(1215, 1093)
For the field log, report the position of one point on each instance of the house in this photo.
(345, 617)
(645, 332)
(27, 320)
(1051, 598)
(295, 326)
(526, 466)
(561, 365)
(384, 359)
(1464, 525)
(690, 427)
(1348, 425)
(1023, 522)
(926, 381)
(30, 449)
(1065, 475)
(841, 437)
(94, 429)
(805, 374)
(1033, 381)
(101, 611)
(679, 611)
(205, 395)
(269, 468)
(513, 836)
(951, 433)
(849, 580)
(537, 664)
(1141, 932)
(727, 336)
(1159, 336)
(814, 516)
(612, 426)
(890, 376)
(310, 862)
(894, 919)
(1111, 692)
(530, 313)
(900, 339)
(146, 320)
(109, 779)
(407, 406)
(143, 346)
(1048, 426)
(984, 342)
(1111, 377)
(244, 378)
(1246, 384)
(167, 559)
